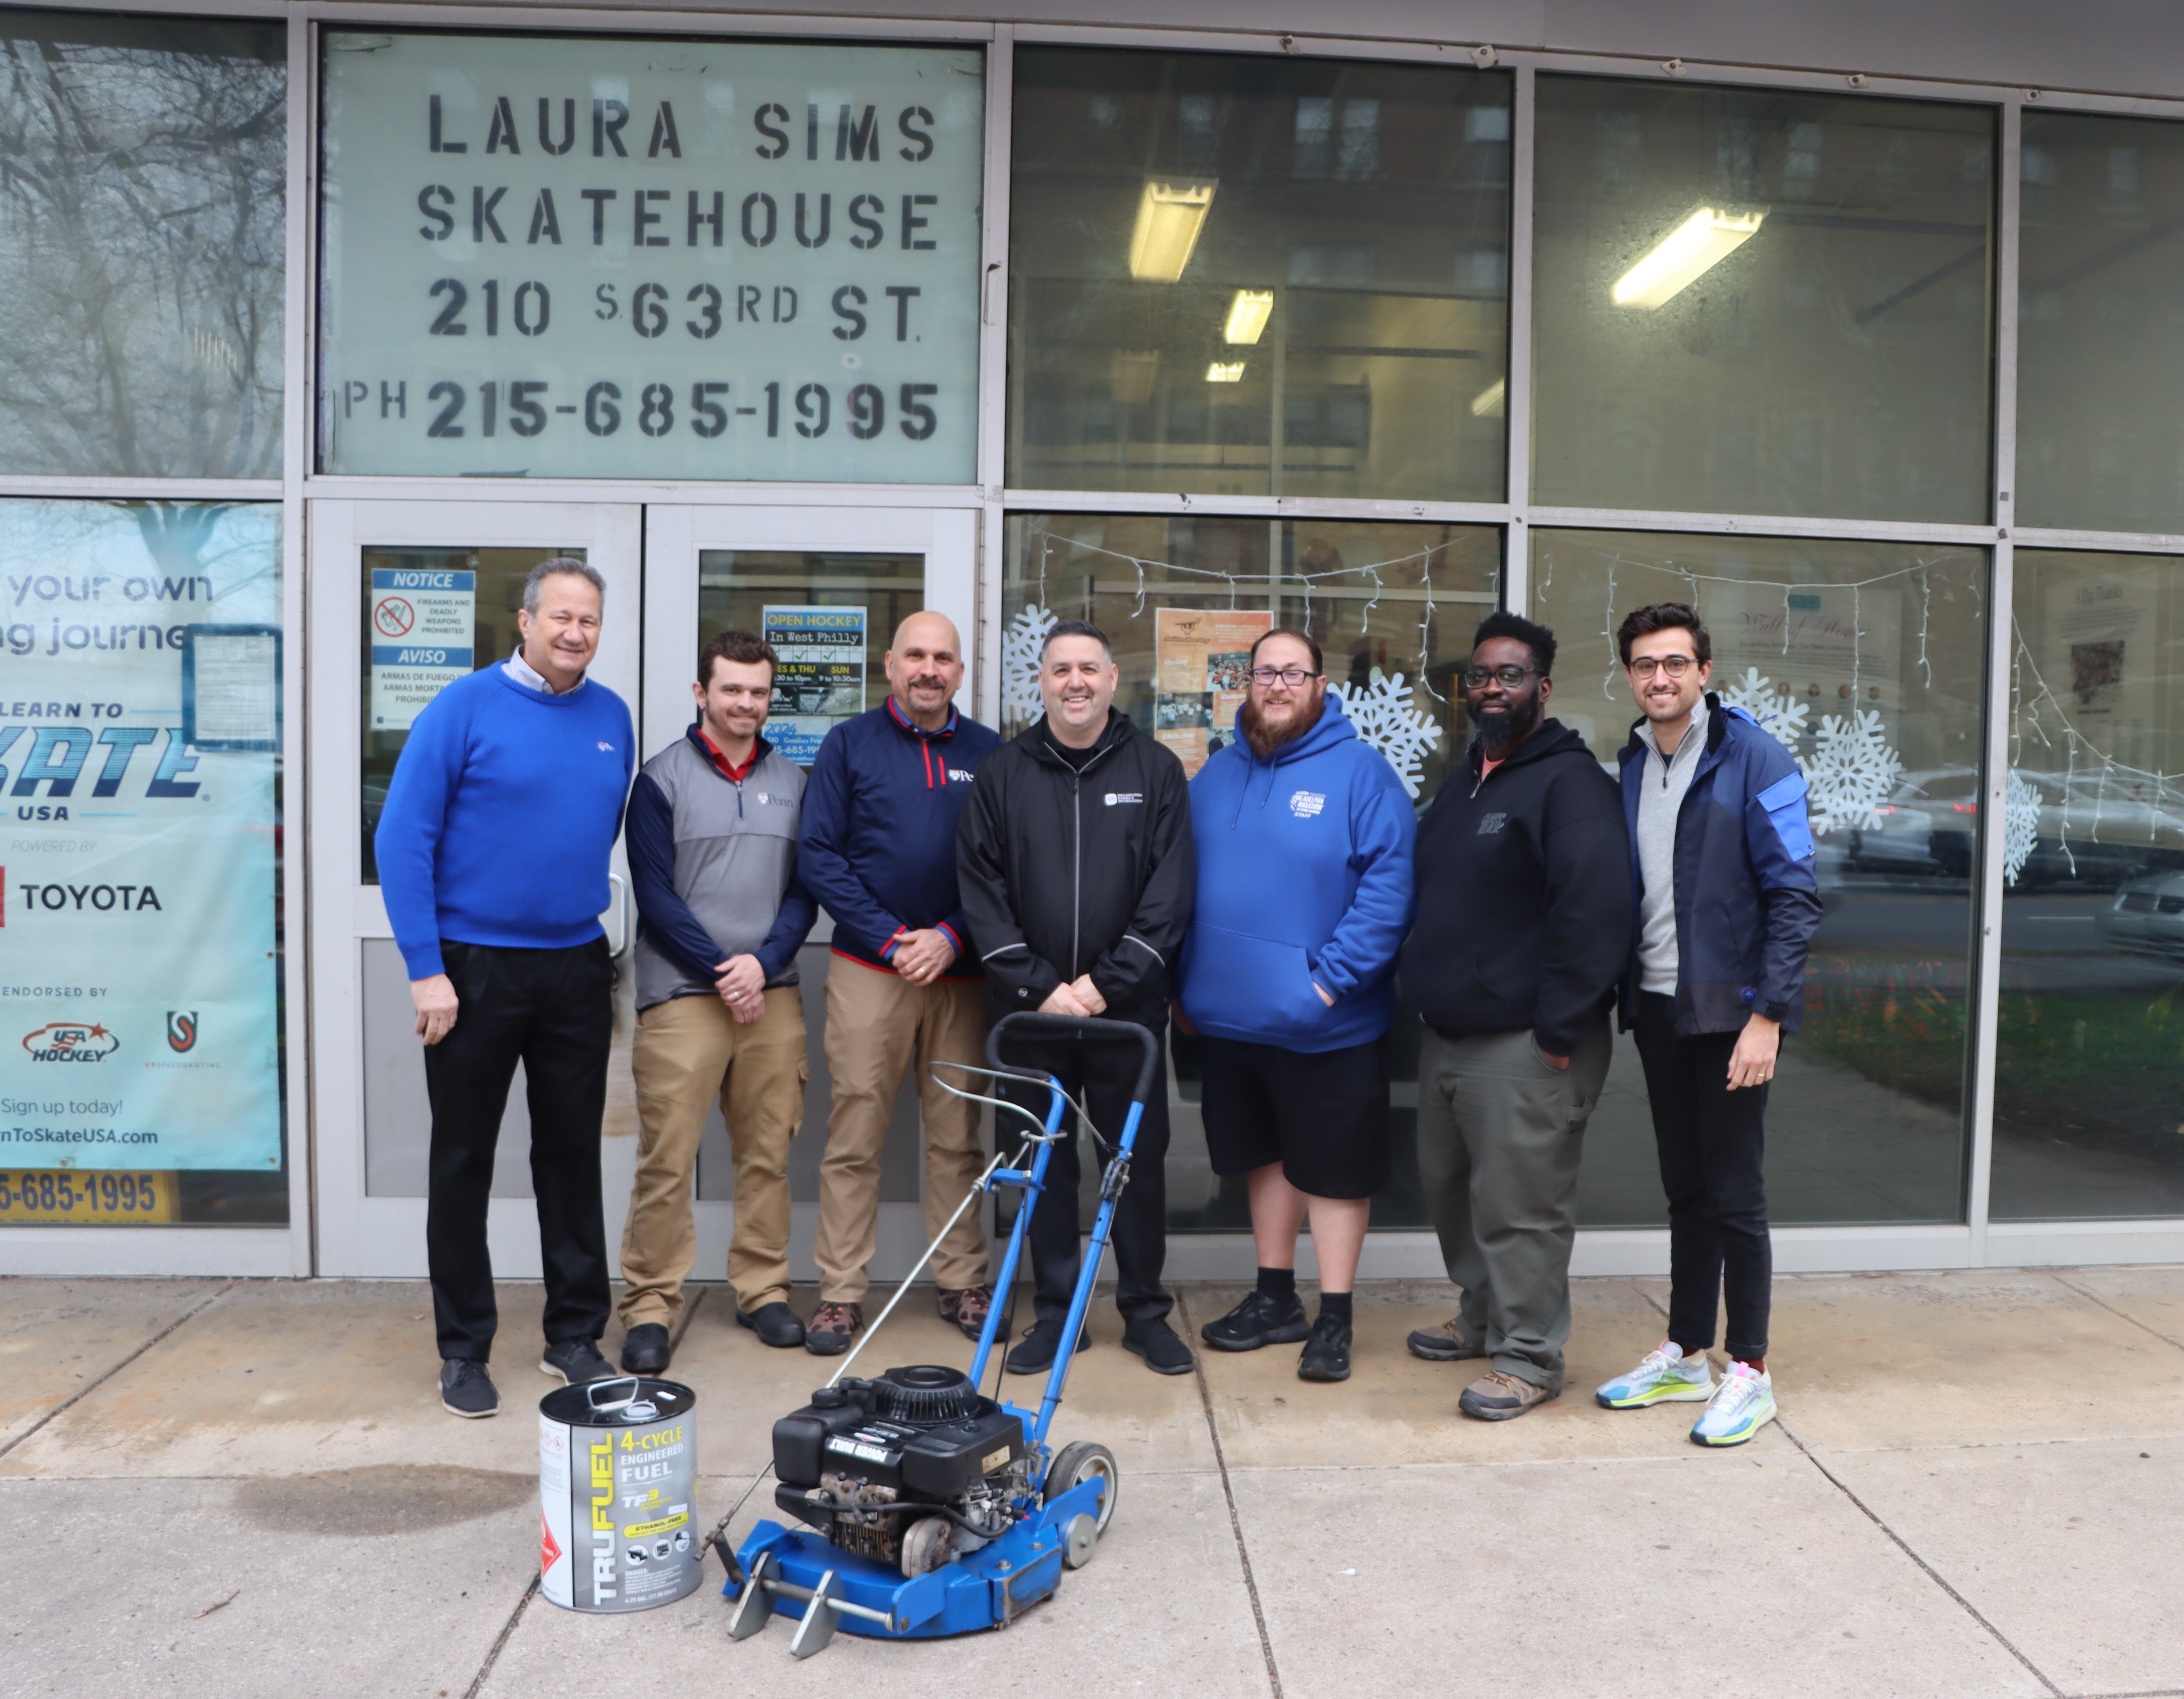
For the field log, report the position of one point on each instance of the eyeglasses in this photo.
(1509, 677)
(1293, 677)
(1675, 666)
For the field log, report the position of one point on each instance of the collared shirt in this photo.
(1663, 782)
(531, 678)
(733, 775)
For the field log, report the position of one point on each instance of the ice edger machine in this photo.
(929, 1508)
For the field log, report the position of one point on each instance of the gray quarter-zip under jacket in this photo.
(1663, 785)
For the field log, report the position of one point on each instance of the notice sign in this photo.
(821, 679)
(422, 626)
(687, 258)
(1202, 659)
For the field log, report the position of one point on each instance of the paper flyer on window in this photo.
(139, 1020)
(1201, 661)
(820, 679)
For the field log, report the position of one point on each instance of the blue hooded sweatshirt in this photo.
(1304, 879)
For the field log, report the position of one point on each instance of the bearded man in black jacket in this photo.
(1074, 862)
(1522, 936)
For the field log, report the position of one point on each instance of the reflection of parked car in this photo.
(2148, 915)
(1929, 825)
(2100, 829)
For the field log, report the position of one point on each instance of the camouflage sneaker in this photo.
(832, 1325)
(1447, 1343)
(967, 1308)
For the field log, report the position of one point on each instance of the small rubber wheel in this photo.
(925, 1547)
(1077, 1463)
(1080, 1540)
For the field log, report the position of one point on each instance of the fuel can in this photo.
(617, 1495)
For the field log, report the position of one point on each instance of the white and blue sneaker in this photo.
(1667, 1376)
(1742, 1406)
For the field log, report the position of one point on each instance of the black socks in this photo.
(1278, 1284)
(1334, 1306)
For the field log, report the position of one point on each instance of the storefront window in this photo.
(1393, 606)
(140, 753)
(2100, 338)
(1759, 302)
(1867, 660)
(1258, 276)
(143, 166)
(595, 257)
(2086, 1121)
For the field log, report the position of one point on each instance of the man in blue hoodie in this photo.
(1304, 840)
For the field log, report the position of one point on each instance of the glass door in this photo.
(406, 598)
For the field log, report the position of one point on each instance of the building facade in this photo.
(322, 323)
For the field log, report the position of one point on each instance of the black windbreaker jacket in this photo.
(1064, 872)
(1524, 903)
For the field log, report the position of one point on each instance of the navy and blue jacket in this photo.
(1747, 892)
(878, 845)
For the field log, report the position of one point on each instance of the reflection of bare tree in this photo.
(142, 165)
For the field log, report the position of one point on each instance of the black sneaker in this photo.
(1157, 1343)
(576, 1361)
(1258, 1321)
(466, 1389)
(775, 1324)
(644, 1349)
(1035, 1354)
(1326, 1354)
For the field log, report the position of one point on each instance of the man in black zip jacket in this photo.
(1523, 931)
(1074, 859)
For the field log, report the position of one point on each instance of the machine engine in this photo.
(912, 1470)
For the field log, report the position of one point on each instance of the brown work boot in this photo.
(1447, 1343)
(967, 1308)
(832, 1325)
(1496, 1397)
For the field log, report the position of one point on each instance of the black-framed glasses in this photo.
(1509, 677)
(1675, 666)
(1293, 677)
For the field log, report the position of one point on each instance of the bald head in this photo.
(925, 668)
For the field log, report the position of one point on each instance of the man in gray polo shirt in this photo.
(712, 830)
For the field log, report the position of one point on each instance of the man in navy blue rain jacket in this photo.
(1721, 855)
(905, 990)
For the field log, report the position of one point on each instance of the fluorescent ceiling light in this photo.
(1170, 215)
(1220, 373)
(1489, 401)
(1248, 314)
(1685, 254)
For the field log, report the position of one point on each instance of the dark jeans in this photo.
(553, 1009)
(1710, 1141)
(1100, 1074)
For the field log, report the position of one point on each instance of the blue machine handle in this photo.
(1032, 1023)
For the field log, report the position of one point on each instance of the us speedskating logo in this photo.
(70, 1041)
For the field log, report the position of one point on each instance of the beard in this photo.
(1265, 739)
(1502, 733)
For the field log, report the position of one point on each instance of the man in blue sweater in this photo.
(1304, 839)
(905, 988)
(493, 860)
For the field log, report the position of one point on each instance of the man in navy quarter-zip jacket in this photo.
(1523, 929)
(1078, 874)
(878, 850)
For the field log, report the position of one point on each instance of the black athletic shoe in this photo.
(466, 1389)
(1035, 1354)
(576, 1361)
(775, 1324)
(1157, 1344)
(1257, 1320)
(644, 1349)
(1326, 1354)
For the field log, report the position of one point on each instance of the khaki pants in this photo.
(689, 1051)
(878, 1025)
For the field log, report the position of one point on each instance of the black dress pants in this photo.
(1710, 1141)
(1100, 1074)
(553, 1009)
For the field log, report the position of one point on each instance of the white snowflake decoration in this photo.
(1778, 712)
(1852, 771)
(2021, 827)
(1020, 646)
(1386, 721)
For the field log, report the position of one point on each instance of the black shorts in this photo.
(1322, 1116)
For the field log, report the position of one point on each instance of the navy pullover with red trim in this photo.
(877, 847)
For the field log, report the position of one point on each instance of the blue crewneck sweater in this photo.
(501, 815)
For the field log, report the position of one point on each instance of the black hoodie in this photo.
(1524, 901)
(1067, 870)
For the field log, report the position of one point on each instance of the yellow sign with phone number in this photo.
(71, 1197)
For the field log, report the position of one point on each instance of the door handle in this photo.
(618, 938)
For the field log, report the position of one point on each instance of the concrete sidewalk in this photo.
(248, 1488)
